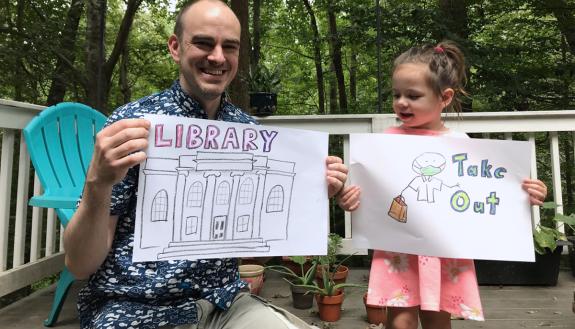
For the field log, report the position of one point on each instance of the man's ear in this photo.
(447, 96)
(174, 47)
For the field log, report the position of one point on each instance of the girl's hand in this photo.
(336, 175)
(537, 190)
(348, 198)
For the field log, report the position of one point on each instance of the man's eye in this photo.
(202, 44)
(231, 47)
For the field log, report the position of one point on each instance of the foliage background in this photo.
(520, 53)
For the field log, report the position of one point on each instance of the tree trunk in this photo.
(98, 71)
(256, 28)
(454, 16)
(336, 57)
(317, 57)
(66, 54)
(332, 91)
(19, 69)
(95, 30)
(353, 77)
(239, 91)
(565, 19)
(124, 83)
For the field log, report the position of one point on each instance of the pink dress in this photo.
(432, 283)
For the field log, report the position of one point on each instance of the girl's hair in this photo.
(446, 65)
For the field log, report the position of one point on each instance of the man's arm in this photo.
(89, 235)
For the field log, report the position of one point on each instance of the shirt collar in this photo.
(189, 104)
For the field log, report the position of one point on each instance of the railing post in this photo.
(21, 203)
(556, 172)
(5, 191)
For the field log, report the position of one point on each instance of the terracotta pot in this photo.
(300, 299)
(254, 276)
(338, 277)
(376, 314)
(329, 307)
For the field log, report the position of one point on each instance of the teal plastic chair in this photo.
(60, 141)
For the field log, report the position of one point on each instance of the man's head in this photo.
(205, 44)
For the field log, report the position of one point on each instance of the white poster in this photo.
(447, 197)
(211, 189)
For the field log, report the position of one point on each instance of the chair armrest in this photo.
(54, 201)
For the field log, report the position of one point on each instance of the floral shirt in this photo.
(122, 294)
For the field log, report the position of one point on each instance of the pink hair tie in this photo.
(439, 50)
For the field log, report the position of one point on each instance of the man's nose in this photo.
(216, 56)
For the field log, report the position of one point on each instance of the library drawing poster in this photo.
(214, 189)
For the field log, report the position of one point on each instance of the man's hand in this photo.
(118, 148)
(336, 175)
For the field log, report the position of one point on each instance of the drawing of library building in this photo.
(214, 202)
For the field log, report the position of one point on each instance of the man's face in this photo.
(207, 51)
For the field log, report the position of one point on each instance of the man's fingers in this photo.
(127, 148)
(121, 125)
(130, 160)
(124, 136)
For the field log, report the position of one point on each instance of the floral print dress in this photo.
(432, 283)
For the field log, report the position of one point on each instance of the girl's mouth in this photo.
(405, 116)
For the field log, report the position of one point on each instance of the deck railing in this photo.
(30, 238)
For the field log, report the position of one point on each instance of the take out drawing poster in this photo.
(442, 196)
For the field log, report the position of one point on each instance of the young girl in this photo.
(426, 81)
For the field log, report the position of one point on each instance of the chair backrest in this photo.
(60, 141)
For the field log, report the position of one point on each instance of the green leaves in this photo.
(545, 238)
(264, 79)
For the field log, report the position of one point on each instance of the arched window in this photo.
(195, 194)
(160, 207)
(275, 199)
(223, 193)
(246, 191)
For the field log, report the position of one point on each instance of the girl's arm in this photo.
(537, 190)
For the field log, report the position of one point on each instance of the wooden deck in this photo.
(509, 307)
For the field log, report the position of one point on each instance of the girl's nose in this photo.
(401, 101)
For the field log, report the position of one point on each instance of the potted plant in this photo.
(376, 314)
(548, 241)
(298, 280)
(253, 274)
(263, 83)
(329, 261)
(330, 295)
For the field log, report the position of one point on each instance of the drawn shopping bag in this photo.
(398, 209)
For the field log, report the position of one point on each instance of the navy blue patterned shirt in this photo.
(122, 294)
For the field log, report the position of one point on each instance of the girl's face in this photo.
(414, 102)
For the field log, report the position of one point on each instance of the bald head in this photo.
(209, 7)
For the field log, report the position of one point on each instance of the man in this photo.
(98, 240)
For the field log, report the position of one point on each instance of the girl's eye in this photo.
(413, 97)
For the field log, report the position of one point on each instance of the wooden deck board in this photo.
(508, 307)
